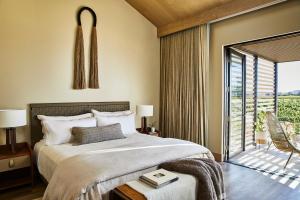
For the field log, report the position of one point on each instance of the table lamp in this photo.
(144, 111)
(9, 120)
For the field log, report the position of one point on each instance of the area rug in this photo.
(270, 161)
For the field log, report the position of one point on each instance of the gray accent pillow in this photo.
(86, 135)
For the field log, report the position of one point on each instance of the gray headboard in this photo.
(67, 109)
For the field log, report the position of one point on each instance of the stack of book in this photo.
(159, 178)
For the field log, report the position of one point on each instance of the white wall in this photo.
(36, 54)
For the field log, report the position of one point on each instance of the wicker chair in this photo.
(279, 137)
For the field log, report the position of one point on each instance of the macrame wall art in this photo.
(79, 69)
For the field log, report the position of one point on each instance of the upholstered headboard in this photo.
(67, 109)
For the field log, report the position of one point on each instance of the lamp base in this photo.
(11, 139)
(144, 125)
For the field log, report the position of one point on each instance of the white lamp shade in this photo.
(12, 118)
(144, 110)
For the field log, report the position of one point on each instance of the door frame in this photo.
(227, 98)
(225, 151)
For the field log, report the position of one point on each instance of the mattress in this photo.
(49, 157)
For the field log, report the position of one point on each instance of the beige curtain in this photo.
(183, 93)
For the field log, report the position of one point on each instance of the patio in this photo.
(270, 163)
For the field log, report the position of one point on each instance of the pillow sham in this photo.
(97, 134)
(117, 113)
(60, 132)
(127, 122)
(64, 118)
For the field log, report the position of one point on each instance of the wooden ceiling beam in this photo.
(227, 10)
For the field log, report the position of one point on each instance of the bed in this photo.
(51, 160)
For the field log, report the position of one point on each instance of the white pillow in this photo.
(60, 132)
(117, 113)
(64, 118)
(127, 122)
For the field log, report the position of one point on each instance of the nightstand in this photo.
(15, 169)
(148, 132)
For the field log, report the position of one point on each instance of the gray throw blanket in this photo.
(208, 172)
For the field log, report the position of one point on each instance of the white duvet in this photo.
(49, 157)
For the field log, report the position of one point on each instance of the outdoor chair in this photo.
(279, 137)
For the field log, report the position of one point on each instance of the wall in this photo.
(36, 54)
(274, 20)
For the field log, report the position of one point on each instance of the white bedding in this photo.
(49, 157)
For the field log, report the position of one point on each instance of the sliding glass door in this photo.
(250, 87)
(236, 102)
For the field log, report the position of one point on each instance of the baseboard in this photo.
(218, 157)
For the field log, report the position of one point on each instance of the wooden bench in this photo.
(124, 192)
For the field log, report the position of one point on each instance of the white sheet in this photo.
(48, 157)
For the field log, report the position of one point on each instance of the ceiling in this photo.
(279, 49)
(163, 12)
(170, 16)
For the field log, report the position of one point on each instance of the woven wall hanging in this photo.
(79, 69)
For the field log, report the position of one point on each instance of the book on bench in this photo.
(159, 178)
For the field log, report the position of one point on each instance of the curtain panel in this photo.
(183, 85)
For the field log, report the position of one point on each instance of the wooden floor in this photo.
(24, 192)
(241, 184)
(247, 184)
